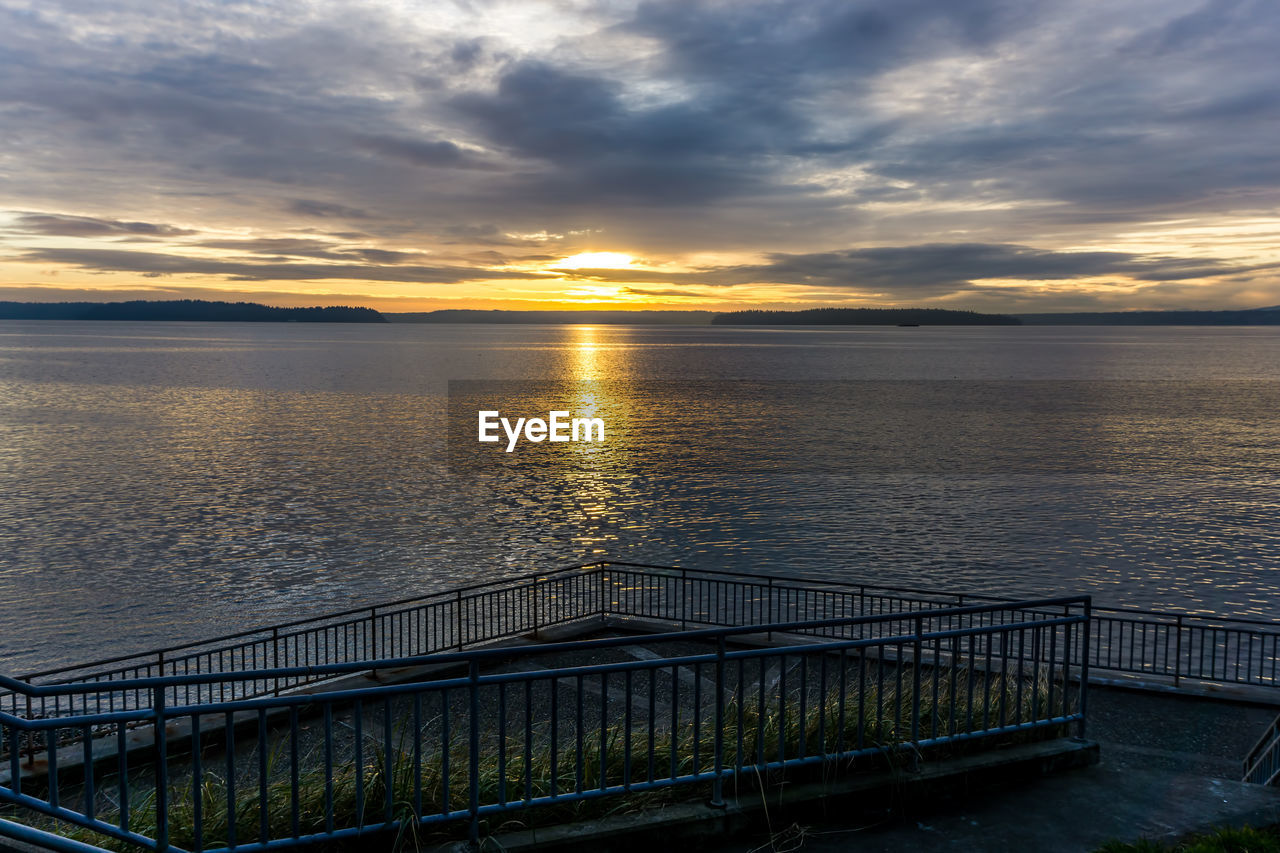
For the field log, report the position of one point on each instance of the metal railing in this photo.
(510, 732)
(1170, 647)
(450, 619)
(1156, 647)
(1262, 764)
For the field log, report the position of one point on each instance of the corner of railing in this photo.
(22, 686)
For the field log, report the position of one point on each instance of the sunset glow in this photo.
(595, 260)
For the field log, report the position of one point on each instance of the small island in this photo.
(864, 317)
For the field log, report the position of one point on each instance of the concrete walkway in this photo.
(1169, 766)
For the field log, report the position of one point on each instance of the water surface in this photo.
(162, 482)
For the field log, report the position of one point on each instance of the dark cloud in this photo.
(601, 150)
(60, 225)
(661, 291)
(154, 263)
(774, 44)
(935, 269)
(304, 248)
(931, 269)
(384, 256)
(276, 246)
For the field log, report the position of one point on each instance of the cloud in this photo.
(299, 247)
(324, 209)
(422, 152)
(62, 225)
(944, 267)
(156, 263)
(294, 246)
(931, 270)
(663, 292)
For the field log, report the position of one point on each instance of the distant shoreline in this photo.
(192, 310)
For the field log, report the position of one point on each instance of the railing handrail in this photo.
(604, 564)
(378, 690)
(765, 578)
(198, 646)
(1177, 659)
(1184, 615)
(1117, 608)
(449, 658)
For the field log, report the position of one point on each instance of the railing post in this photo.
(684, 599)
(770, 617)
(457, 606)
(1177, 652)
(31, 737)
(473, 758)
(275, 659)
(717, 786)
(536, 621)
(373, 639)
(917, 649)
(604, 610)
(162, 768)
(1084, 664)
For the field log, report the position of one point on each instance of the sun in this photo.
(595, 261)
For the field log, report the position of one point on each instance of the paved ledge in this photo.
(700, 826)
(1074, 812)
(1170, 766)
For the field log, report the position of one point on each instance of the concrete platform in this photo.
(1169, 766)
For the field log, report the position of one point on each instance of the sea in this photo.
(164, 482)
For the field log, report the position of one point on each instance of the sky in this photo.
(1016, 155)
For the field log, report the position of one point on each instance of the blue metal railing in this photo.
(1159, 648)
(251, 774)
(1262, 764)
